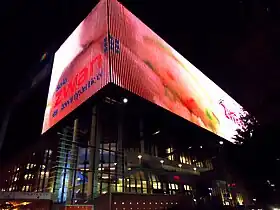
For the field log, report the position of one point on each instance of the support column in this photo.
(119, 152)
(94, 156)
(91, 144)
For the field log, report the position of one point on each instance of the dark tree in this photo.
(250, 125)
(256, 161)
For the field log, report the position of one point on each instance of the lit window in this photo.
(182, 159)
(187, 187)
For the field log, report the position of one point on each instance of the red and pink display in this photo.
(80, 67)
(142, 63)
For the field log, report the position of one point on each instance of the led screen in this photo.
(141, 62)
(146, 65)
(80, 67)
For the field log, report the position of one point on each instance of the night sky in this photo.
(235, 43)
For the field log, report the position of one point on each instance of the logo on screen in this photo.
(70, 90)
(113, 44)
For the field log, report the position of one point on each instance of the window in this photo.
(187, 187)
(170, 151)
(185, 159)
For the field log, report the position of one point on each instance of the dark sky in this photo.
(235, 43)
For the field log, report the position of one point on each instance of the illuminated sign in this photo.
(141, 62)
(80, 67)
(150, 68)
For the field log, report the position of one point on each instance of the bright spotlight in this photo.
(157, 132)
(125, 100)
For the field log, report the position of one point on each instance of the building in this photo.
(116, 131)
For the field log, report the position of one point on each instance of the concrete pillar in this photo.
(120, 152)
(94, 154)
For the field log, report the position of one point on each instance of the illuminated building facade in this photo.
(137, 150)
(128, 121)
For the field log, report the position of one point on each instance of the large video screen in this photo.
(146, 65)
(80, 67)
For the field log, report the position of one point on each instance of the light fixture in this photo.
(180, 165)
(139, 156)
(161, 161)
(254, 199)
(200, 147)
(194, 169)
(115, 164)
(221, 142)
(194, 200)
(190, 147)
(125, 100)
(157, 132)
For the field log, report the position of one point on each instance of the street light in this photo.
(161, 161)
(221, 142)
(194, 169)
(180, 165)
(157, 132)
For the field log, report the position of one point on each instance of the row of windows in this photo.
(183, 158)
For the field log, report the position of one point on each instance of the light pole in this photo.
(139, 157)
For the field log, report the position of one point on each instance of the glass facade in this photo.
(112, 147)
